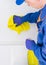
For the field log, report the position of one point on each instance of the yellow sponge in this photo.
(32, 59)
(23, 27)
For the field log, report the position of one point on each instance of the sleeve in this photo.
(31, 17)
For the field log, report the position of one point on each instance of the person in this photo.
(39, 49)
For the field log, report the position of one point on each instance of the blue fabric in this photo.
(39, 24)
(31, 17)
(19, 2)
(40, 37)
(40, 34)
(42, 29)
(43, 12)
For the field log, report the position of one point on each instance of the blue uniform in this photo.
(39, 48)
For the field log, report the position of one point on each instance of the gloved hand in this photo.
(12, 24)
(19, 2)
(35, 55)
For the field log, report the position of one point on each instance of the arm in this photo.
(31, 17)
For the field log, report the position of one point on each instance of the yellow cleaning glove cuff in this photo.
(32, 59)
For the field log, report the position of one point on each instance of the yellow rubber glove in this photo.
(23, 27)
(32, 59)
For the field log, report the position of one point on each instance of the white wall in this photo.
(12, 45)
(13, 55)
